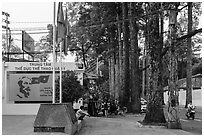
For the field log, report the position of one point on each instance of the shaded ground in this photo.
(21, 125)
(119, 125)
(193, 126)
(113, 125)
(127, 125)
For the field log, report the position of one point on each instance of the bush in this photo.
(71, 87)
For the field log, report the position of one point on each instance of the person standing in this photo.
(106, 109)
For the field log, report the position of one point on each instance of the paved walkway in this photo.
(119, 125)
(21, 125)
(127, 125)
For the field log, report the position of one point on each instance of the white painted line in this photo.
(198, 120)
(184, 120)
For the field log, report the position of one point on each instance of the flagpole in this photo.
(54, 42)
(60, 38)
(60, 94)
(60, 72)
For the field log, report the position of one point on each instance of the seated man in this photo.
(80, 114)
(190, 107)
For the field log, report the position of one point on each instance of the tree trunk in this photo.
(189, 58)
(143, 72)
(154, 107)
(117, 80)
(112, 75)
(84, 58)
(160, 80)
(146, 61)
(113, 63)
(135, 84)
(109, 74)
(173, 108)
(126, 95)
(121, 74)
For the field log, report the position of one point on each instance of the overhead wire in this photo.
(19, 33)
(21, 40)
(32, 22)
(29, 33)
(28, 29)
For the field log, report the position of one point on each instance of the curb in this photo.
(150, 126)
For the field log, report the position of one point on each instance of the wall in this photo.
(196, 97)
(19, 109)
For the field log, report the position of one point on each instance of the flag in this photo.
(66, 41)
(60, 24)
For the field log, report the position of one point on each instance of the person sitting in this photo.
(80, 114)
(190, 107)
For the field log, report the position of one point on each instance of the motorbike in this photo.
(191, 113)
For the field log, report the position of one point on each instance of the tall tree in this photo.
(173, 111)
(154, 107)
(189, 58)
(126, 95)
(120, 52)
(134, 56)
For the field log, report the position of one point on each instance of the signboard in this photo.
(27, 42)
(41, 66)
(30, 87)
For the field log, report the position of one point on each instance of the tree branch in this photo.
(182, 7)
(88, 48)
(191, 34)
(181, 38)
(143, 69)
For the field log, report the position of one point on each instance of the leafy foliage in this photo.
(182, 27)
(13, 48)
(72, 89)
(42, 46)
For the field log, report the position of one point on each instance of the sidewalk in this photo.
(21, 125)
(117, 125)
(124, 125)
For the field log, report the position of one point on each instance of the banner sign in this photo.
(27, 42)
(30, 87)
(33, 86)
(42, 66)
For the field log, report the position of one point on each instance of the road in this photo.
(193, 126)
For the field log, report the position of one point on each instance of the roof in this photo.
(196, 82)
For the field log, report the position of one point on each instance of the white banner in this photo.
(42, 66)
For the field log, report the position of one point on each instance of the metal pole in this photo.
(60, 101)
(7, 37)
(9, 43)
(54, 43)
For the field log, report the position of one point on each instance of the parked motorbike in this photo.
(191, 113)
